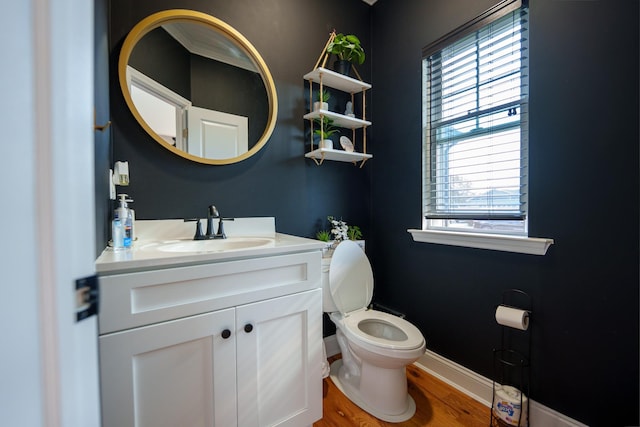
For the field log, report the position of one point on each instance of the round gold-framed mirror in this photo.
(198, 87)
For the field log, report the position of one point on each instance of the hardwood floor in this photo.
(438, 405)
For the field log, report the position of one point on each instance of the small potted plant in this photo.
(324, 131)
(323, 235)
(348, 50)
(354, 232)
(322, 103)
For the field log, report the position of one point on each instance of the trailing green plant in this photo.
(354, 232)
(325, 127)
(347, 48)
(323, 235)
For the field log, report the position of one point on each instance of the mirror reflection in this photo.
(198, 87)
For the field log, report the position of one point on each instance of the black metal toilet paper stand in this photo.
(512, 360)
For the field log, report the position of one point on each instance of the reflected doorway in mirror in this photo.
(216, 135)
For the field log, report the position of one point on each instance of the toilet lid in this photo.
(350, 278)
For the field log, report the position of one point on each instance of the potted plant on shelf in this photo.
(348, 50)
(322, 103)
(324, 131)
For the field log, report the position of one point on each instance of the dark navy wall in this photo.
(278, 181)
(583, 193)
(102, 138)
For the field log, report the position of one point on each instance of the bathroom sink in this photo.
(221, 245)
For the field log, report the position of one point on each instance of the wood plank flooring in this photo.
(438, 405)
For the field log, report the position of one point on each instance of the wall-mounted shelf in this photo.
(321, 154)
(337, 80)
(324, 77)
(339, 119)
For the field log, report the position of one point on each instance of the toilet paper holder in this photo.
(511, 360)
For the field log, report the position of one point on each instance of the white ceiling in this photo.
(370, 2)
(205, 41)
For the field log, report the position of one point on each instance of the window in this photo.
(475, 95)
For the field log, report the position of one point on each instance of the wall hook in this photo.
(100, 128)
(103, 127)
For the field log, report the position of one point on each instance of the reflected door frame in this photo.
(162, 96)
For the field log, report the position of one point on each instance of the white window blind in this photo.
(475, 125)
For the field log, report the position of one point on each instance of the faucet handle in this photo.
(221, 234)
(198, 235)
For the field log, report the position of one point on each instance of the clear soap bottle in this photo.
(117, 235)
(125, 216)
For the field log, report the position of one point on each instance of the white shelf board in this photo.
(336, 80)
(337, 155)
(339, 119)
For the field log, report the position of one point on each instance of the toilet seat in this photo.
(351, 287)
(355, 330)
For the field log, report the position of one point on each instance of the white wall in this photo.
(20, 368)
(48, 363)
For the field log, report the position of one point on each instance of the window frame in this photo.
(520, 243)
(443, 204)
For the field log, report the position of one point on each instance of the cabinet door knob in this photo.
(226, 334)
(248, 327)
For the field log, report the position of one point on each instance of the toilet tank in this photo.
(328, 306)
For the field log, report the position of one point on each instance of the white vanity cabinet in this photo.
(231, 343)
(163, 374)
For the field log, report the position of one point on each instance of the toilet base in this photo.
(351, 390)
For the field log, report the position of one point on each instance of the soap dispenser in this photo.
(117, 235)
(132, 214)
(125, 216)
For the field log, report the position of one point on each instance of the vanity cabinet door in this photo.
(279, 344)
(175, 373)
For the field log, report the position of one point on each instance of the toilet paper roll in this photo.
(512, 317)
(510, 405)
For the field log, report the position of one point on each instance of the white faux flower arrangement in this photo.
(339, 231)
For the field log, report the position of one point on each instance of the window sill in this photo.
(496, 242)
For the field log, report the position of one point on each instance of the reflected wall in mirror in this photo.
(198, 87)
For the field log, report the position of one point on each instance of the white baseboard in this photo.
(458, 377)
(473, 385)
(481, 389)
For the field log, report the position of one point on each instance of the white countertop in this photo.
(142, 256)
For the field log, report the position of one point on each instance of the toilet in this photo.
(376, 347)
